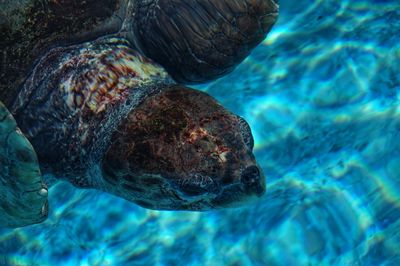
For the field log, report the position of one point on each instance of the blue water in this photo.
(322, 96)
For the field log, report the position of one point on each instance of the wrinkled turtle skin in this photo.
(91, 92)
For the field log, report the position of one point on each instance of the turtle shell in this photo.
(29, 28)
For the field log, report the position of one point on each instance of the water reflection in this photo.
(321, 95)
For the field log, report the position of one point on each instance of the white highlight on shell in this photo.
(45, 209)
(43, 192)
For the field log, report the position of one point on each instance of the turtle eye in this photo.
(246, 133)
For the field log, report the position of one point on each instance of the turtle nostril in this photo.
(251, 175)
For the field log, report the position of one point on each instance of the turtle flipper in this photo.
(198, 41)
(23, 194)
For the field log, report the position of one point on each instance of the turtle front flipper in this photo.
(23, 194)
(201, 40)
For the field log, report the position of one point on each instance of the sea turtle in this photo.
(91, 91)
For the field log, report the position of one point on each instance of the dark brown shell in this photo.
(29, 28)
(201, 40)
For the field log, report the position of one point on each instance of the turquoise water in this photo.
(322, 96)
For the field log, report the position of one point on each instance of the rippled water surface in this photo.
(322, 96)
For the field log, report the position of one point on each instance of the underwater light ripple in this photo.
(330, 157)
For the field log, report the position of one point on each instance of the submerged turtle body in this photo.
(102, 116)
(92, 86)
(195, 40)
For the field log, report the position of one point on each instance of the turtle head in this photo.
(181, 150)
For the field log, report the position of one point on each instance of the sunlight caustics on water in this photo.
(322, 96)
